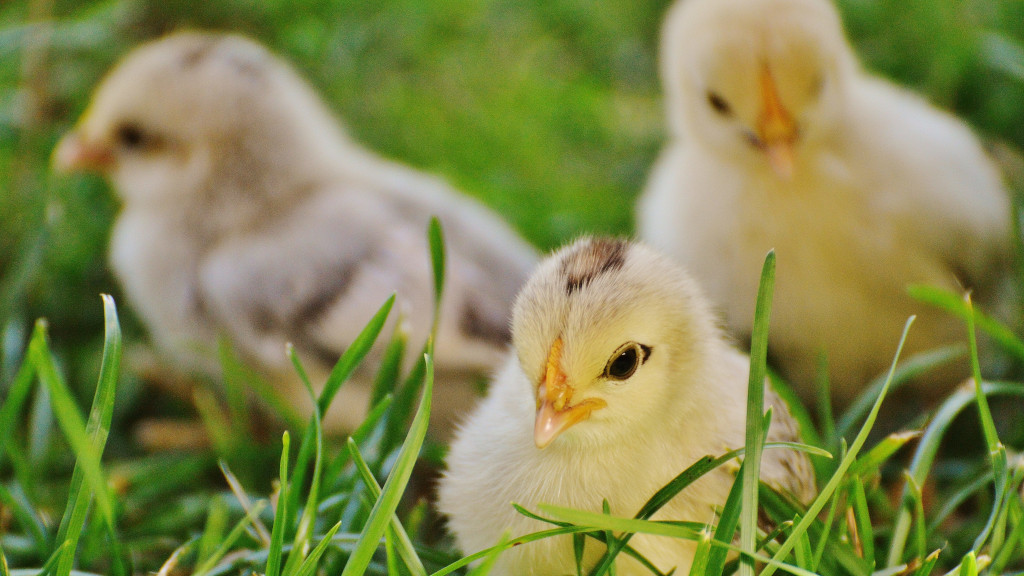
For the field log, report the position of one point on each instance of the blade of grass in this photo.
(928, 447)
(234, 389)
(862, 516)
(304, 532)
(213, 534)
(216, 423)
(996, 450)
(435, 236)
(388, 375)
(957, 498)
(389, 551)
(337, 465)
(404, 402)
(243, 500)
(600, 537)
(384, 507)
(702, 554)
(1014, 542)
(692, 473)
(847, 461)
(405, 547)
(906, 370)
(346, 365)
(354, 355)
(237, 371)
(878, 455)
(484, 568)
(94, 435)
(18, 505)
(969, 565)
(308, 567)
(954, 304)
(928, 564)
(726, 529)
(755, 435)
(229, 541)
(10, 409)
(920, 538)
(579, 543)
(599, 521)
(40, 424)
(498, 548)
(169, 565)
(803, 552)
(273, 567)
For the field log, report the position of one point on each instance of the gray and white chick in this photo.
(248, 212)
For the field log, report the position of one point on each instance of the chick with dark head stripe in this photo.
(620, 380)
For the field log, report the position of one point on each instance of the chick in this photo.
(247, 211)
(619, 381)
(780, 140)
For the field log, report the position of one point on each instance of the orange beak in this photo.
(555, 413)
(775, 128)
(74, 153)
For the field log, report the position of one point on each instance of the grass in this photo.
(328, 512)
(547, 110)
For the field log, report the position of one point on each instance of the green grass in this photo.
(547, 110)
(340, 520)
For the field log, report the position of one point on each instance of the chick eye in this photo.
(130, 136)
(718, 104)
(626, 360)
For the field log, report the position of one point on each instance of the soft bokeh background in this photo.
(549, 111)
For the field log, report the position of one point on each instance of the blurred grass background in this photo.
(549, 111)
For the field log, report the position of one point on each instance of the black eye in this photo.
(719, 104)
(626, 360)
(130, 136)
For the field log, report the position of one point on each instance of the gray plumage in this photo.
(249, 212)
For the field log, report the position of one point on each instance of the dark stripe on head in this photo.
(197, 53)
(592, 259)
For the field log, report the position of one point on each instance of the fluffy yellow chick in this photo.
(619, 381)
(247, 211)
(780, 140)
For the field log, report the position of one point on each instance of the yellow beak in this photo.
(555, 413)
(75, 153)
(776, 128)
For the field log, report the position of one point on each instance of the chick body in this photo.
(884, 191)
(685, 400)
(248, 212)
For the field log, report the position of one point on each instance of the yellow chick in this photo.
(247, 211)
(620, 379)
(780, 140)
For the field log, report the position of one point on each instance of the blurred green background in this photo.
(547, 110)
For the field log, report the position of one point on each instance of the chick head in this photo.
(611, 336)
(189, 107)
(757, 80)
